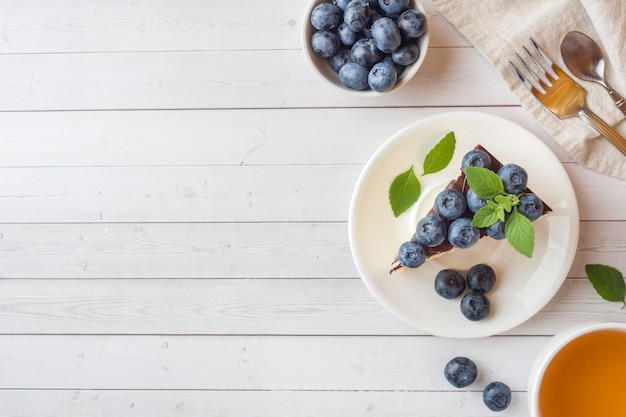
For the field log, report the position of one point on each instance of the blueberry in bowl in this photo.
(386, 38)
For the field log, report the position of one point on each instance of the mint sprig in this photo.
(501, 206)
(405, 189)
(608, 282)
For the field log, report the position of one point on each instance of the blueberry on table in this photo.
(411, 254)
(412, 23)
(354, 76)
(530, 206)
(406, 54)
(497, 396)
(476, 158)
(475, 306)
(461, 233)
(450, 204)
(431, 230)
(393, 8)
(326, 16)
(514, 178)
(474, 203)
(461, 372)
(357, 15)
(449, 284)
(325, 43)
(386, 35)
(481, 278)
(382, 77)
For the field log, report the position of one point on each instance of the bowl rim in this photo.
(314, 62)
(545, 355)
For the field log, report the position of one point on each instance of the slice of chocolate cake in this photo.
(459, 184)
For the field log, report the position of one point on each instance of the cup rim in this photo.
(554, 346)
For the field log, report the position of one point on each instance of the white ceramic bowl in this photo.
(327, 74)
(547, 354)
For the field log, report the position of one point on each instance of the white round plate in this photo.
(524, 285)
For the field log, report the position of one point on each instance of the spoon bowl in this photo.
(584, 58)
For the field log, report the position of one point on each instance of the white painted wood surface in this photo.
(173, 220)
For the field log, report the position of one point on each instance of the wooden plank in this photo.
(256, 363)
(53, 26)
(240, 307)
(89, 403)
(227, 79)
(243, 137)
(309, 193)
(179, 250)
(219, 250)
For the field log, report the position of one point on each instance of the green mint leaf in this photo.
(520, 233)
(440, 156)
(404, 191)
(485, 216)
(607, 281)
(505, 202)
(485, 183)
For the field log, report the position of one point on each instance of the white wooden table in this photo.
(173, 220)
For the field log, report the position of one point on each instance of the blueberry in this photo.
(406, 54)
(481, 278)
(393, 8)
(496, 230)
(356, 15)
(497, 396)
(411, 254)
(450, 204)
(326, 16)
(475, 306)
(461, 233)
(476, 158)
(354, 76)
(474, 203)
(382, 77)
(325, 43)
(461, 372)
(431, 230)
(365, 52)
(346, 36)
(412, 23)
(340, 59)
(449, 284)
(530, 206)
(342, 3)
(386, 35)
(514, 178)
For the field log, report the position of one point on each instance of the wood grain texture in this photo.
(47, 403)
(236, 307)
(227, 79)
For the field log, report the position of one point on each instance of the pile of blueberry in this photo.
(481, 278)
(461, 372)
(452, 220)
(367, 42)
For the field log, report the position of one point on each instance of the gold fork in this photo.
(560, 94)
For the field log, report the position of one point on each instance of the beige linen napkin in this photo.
(499, 28)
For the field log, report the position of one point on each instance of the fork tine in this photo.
(541, 74)
(520, 76)
(545, 58)
(535, 82)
